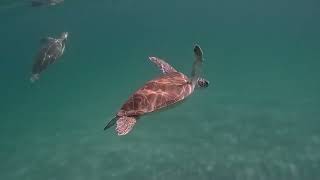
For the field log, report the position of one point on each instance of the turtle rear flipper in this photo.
(34, 78)
(125, 125)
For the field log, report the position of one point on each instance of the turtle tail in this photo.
(111, 123)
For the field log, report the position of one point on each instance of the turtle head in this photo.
(64, 35)
(202, 83)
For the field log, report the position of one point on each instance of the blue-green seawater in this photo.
(258, 120)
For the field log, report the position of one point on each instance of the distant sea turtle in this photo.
(50, 51)
(166, 90)
(36, 3)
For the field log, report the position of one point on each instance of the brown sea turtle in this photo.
(166, 90)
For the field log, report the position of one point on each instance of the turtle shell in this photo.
(157, 93)
(48, 54)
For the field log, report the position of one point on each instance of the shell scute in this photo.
(157, 93)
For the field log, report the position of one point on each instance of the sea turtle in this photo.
(36, 3)
(50, 51)
(163, 91)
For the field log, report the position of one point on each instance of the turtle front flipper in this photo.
(197, 65)
(47, 40)
(125, 125)
(162, 65)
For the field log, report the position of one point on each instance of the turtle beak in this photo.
(206, 83)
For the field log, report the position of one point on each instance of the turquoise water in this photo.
(259, 119)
